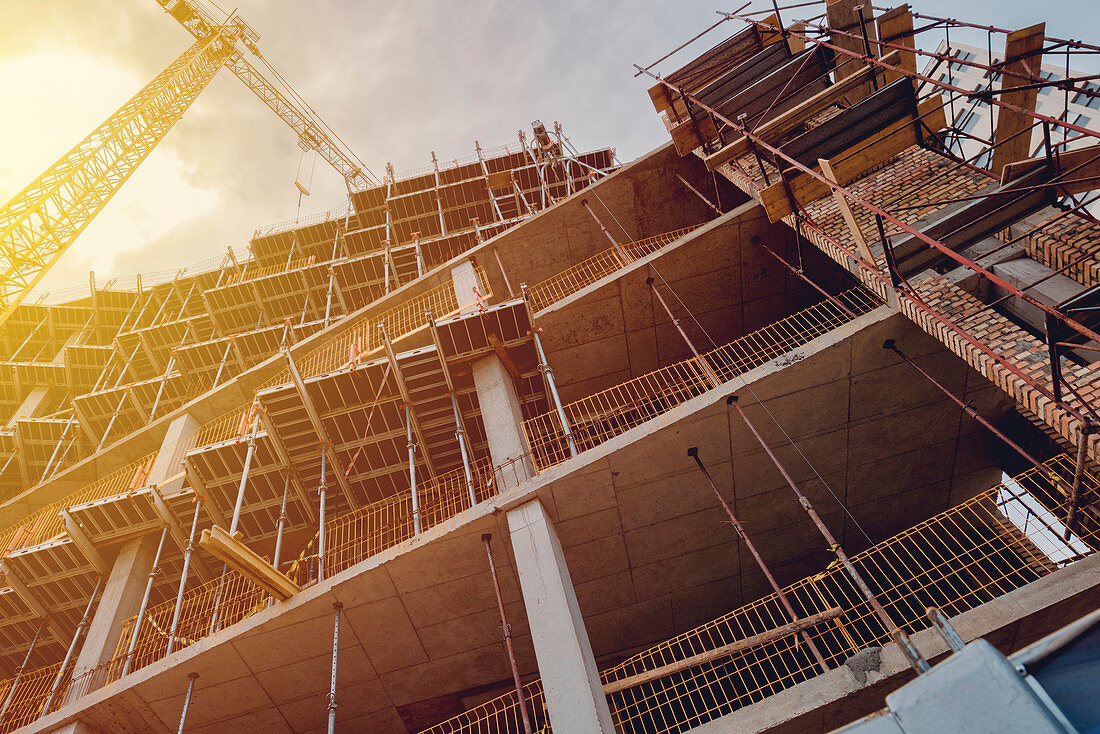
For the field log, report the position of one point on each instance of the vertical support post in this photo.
(187, 700)
(144, 603)
(693, 452)
(412, 468)
(22, 668)
(507, 628)
(419, 256)
(337, 606)
(249, 453)
(111, 423)
(916, 660)
(72, 648)
(282, 522)
(321, 491)
(328, 297)
(461, 435)
(548, 373)
(500, 265)
(183, 578)
(221, 366)
(1075, 489)
(708, 372)
(386, 265)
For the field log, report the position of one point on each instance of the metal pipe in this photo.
(889, 344)
(627, 259)
(486, 539)
(249, 453)
(322, 491)
(221, 366)
(709, 373)
(214, 618)
(461, 435)
(700, 195)
(187, 700)
(412, 468)
(693, 452)
(46, 471)
(755, 239)
(332, 684)
(23, 667)
(72, 647)
(507, 283)
(111, 423)
(916, 660)
(144, 602)
(183, 578)
(282, 522)
(548, 372)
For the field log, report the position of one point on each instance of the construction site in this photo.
(770, 429)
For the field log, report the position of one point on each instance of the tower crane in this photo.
(43, 220)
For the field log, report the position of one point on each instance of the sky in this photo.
(396, 81)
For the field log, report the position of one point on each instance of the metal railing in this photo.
(999, 541)
(597, 267)
(614, 411)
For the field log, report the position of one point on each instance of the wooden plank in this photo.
(797, 80)
(1023, 55)
(717, 60)
(247, 562)
(773, 130)
(846, 212)
(855, 162)
(843, 16)
(896, 26)
(1085, 160)
(724, 651)
(686, 135)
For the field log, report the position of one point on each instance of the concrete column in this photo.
(570, 679)
(125, 585)
(503, 420)
(178, 440)
(32, 405)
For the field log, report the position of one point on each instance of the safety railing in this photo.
(350, 539)
(256, 273)
(999, 541)
(408, 317)
(31, 691)
(611, 412)
(46, 523)
(597, 267)
(233, 424)
(358, 535)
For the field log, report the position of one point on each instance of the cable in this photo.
(744, 382)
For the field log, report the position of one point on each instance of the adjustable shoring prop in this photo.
(627, 259)
(322, 491)
(507, 628)
(548, 373)
(704, 366)
(337, 606)
(183, 577)
(187, 700)
(144, 603)
(912, 654)
(282, 520)
(221, 365)
(72, 648)
(22, 668)
(693, 452)
(695, 191)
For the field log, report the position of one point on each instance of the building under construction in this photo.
(718, 439)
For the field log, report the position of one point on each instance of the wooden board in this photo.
(843, 16)
(1023, 55)
(896, 26)
(855, 162)
(247, 562)
(775, 129)
(1086, 161)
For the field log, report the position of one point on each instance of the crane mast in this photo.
(39, 223)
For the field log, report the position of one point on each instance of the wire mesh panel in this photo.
(999, 541)
(597, 267)
(611, 412)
